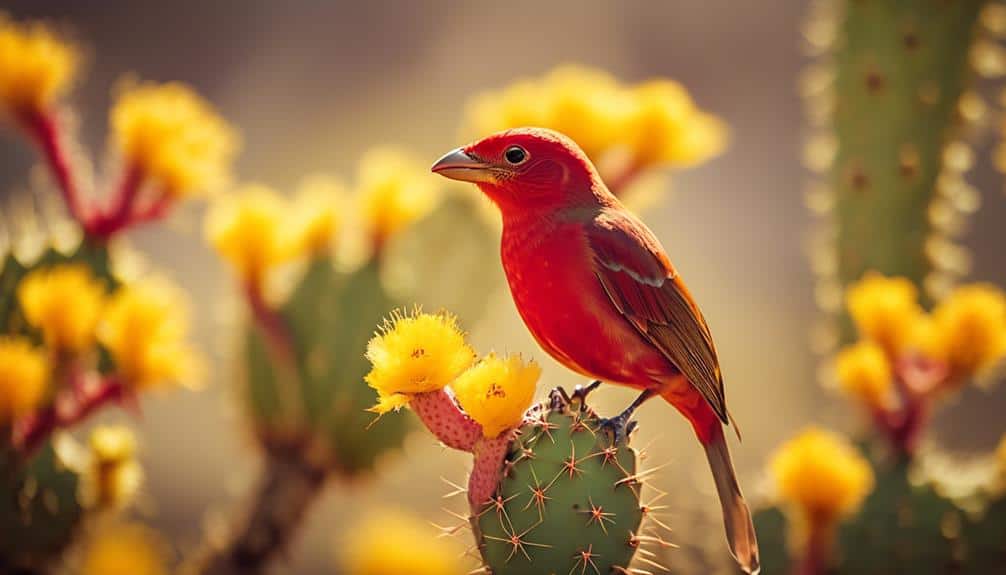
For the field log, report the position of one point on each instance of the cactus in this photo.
(569, 498)
(888, 99)
(320, 407)
(902, 527)
(39, 507)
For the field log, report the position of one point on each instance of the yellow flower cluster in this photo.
(421, 352)
(865, 374)
(256, 229)
(416, 353)
(124, 549)
(24, 377)
(392, 543)
(36, 66)
(65, 303)
(173, 137)
(497, 391)
(821, 477)
(969, 329)
(966, 330)
(143, 325)
(393, 190)
(885, 310)
(144, 328)
(656, 122)
(114, 475)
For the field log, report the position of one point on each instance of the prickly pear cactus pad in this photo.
(568, 501)
(331, 316)
(39, 510)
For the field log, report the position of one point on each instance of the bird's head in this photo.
(525, 169)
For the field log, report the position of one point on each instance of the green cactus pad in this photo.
(449, 259)
(569, 500)
(902, 528)
(321, 405)
(39, 510)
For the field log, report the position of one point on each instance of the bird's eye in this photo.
(515, 155)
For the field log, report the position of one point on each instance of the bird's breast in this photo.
(551, 276)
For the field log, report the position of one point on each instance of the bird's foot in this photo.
(618, 428)
(581, 392)
(621, 427)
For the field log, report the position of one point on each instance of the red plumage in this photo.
(598, 292)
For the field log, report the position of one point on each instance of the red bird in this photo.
(596, 289)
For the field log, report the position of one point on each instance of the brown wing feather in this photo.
(645, 288)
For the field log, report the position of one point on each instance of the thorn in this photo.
(598, 515)
(457, 489)
(586, 556)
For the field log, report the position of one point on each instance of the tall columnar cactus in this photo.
(888, 102)
(553, 489)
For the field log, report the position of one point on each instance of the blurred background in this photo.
(312, 85)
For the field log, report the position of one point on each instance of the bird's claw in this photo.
(581, 392)
(618, 427)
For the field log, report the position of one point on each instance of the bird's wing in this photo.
(644, 286)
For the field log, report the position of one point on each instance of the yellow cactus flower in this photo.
(656, 122)
(391, 543)
(885, 310)
(121, 548)
(246, 229)
(415, 353)
(24, 377)
(36, 66)
(144, 329)
(864, 373)
(819, 475)
(65, 303)
(970, 328)
(114, 476)
(586, 104)
(394, 189)
(667, 128)
(173, 136)
(315, 218)
(497, 392)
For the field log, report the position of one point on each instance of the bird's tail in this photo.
(736, 515)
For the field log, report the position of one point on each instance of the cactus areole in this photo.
(568, 499)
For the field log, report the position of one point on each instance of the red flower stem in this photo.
(43, 126)
(155, 210)
(455, 429)
(71, 406)
(119, 214)
(490, 455)
(271, 323)
(817, 553)
(442, 416)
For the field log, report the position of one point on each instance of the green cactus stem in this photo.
(889, 97)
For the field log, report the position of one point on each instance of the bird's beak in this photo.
(458, 165)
